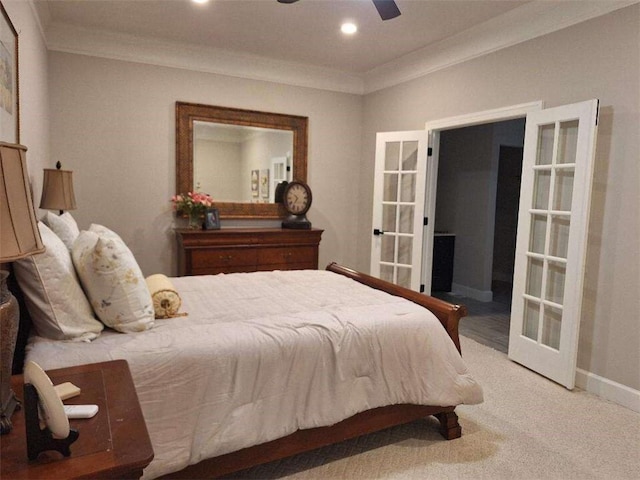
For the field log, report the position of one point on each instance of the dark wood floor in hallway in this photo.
(487, 322)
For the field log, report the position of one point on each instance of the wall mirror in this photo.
(239, 156)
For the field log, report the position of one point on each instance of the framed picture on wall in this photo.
(9, 98)
(264, 183)
(255, 181)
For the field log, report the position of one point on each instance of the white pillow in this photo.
(113, 280)
(58, 307)
(64, 226)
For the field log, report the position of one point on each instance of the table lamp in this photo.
(19, 238)
(57, 190)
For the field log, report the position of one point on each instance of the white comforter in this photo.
(262, 355)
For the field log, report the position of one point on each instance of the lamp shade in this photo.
(57, 190)
(19, 235)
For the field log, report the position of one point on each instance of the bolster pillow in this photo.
(166, 301)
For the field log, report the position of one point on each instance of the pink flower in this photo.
(192, 202)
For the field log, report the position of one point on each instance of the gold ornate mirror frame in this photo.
(187, 113)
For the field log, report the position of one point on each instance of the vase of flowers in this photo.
(192, 205)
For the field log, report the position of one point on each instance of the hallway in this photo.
(487, 322)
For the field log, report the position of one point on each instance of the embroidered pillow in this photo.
(58, 307)
(64, 226)
(113, 280)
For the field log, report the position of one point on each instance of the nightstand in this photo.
(113, 444)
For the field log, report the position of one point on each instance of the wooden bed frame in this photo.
(366, 422)
(305, 440)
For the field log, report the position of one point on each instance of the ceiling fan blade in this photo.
(386, 8)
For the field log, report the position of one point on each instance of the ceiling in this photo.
(306, 33)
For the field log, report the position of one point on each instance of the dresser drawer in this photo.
(231, 269)
(208, 258)
(288, 266)
(285, 255)
(209, 252)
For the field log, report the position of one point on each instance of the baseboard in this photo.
(480, 295)
(608, 389)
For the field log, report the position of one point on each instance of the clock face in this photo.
(297, 198)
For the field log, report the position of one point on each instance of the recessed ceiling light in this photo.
(349, 28)
(200, 1)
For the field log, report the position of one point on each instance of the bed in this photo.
(271, 364)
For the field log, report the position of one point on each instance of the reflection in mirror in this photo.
(236, 163)
(239, 156)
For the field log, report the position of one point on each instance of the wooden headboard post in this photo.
(448, 314)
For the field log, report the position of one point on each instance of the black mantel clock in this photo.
(296, 199)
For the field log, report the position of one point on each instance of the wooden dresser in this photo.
(208, 252)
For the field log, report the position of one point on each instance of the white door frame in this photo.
(434, 128)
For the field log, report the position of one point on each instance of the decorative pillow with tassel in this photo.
(166, 300)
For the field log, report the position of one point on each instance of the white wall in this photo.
(34, 91)
(113, 124)
(595, 59)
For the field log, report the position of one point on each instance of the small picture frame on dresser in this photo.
(212, 219)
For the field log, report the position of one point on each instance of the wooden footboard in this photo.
(306, 440)
(366, 422)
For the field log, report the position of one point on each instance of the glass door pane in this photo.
(399, 200)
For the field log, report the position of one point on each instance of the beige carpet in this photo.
(527, 428)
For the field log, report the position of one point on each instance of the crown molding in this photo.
(41, 16)
(154, 51)
(531, 20)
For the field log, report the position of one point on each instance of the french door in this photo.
(552, 237)
(553, 220)
(398, 207)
